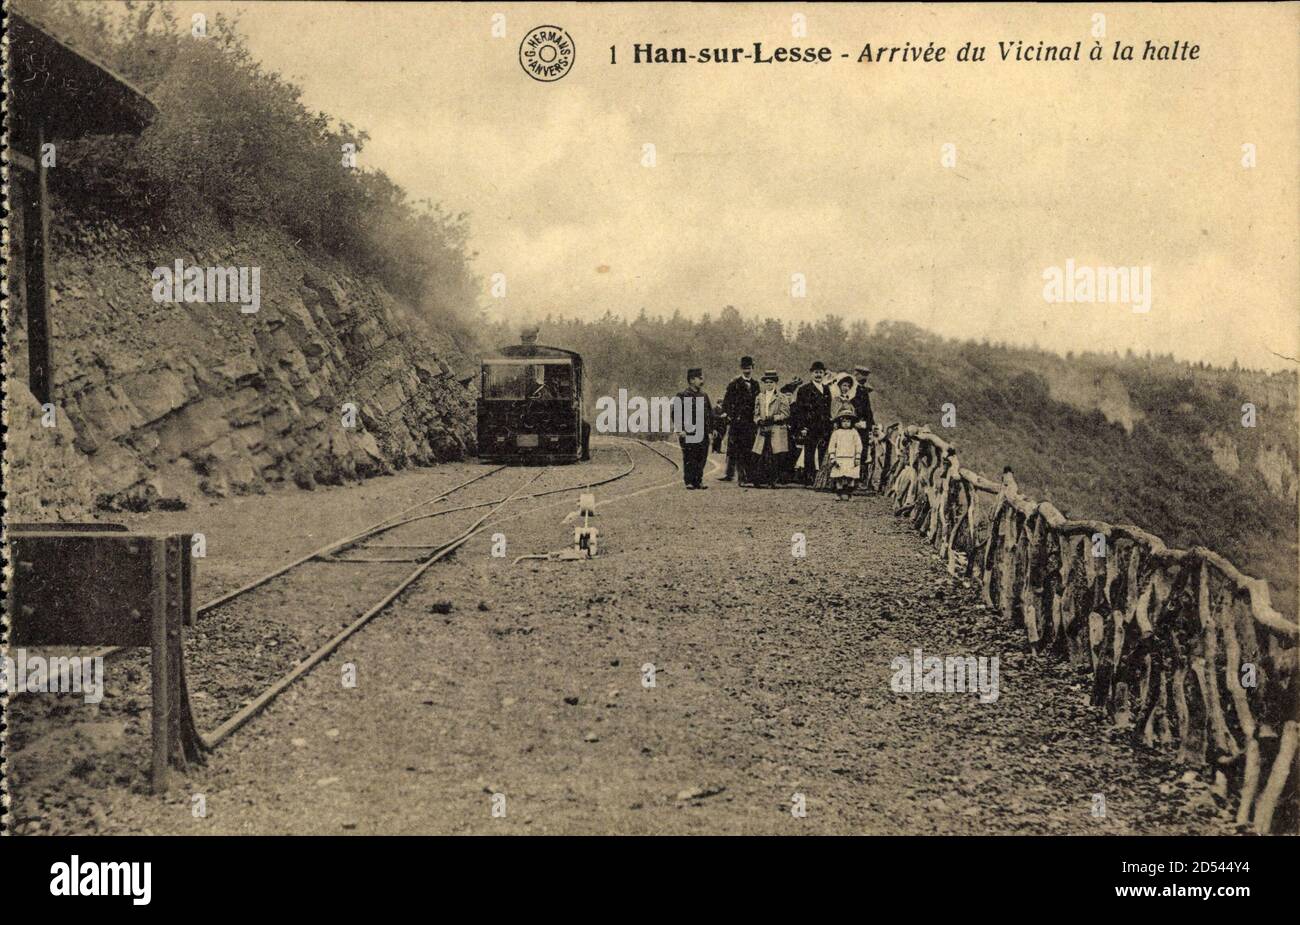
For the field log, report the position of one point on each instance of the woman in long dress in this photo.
(771, 438)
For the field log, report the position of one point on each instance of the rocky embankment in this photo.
(158, 404)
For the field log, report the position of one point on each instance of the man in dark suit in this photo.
(738, 403)
(696, 410)
(862, 411)
(813, 401)
(862, 402)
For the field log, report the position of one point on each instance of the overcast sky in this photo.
(834, 170)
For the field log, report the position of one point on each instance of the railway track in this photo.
(654, 449)
(217, 736)
(331, 551)
(422, 556)
(326, 550)
(436, 552)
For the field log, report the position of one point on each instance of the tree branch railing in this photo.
(1182, 648)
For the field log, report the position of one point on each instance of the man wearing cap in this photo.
(862, 402)
(787, 474)
(862, 411)
(813, 412)
(738, 403)
(695, 423)
(771, 415)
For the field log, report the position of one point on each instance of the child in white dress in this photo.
(845, 452)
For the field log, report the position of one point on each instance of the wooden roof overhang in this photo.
(58, 93)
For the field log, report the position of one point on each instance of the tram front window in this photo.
(528, 380)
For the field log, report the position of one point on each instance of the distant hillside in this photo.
(1145, 440)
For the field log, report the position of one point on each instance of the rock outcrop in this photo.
(165, 402)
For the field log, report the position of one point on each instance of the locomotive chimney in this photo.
(528, 335)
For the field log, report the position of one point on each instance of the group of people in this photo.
(816, 433)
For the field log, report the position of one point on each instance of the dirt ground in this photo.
(496, 697)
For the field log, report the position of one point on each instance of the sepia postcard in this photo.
(651, 419)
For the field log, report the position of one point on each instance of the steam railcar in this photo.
(530, 405)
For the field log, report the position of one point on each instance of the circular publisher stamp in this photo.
(546, 53)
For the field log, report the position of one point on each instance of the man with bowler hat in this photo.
(813, 404)
(738, 403)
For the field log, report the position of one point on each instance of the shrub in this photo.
(233, 141)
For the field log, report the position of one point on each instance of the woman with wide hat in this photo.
(772, 439)
(842, 397)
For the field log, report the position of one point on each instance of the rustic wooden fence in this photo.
(1181, 646)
